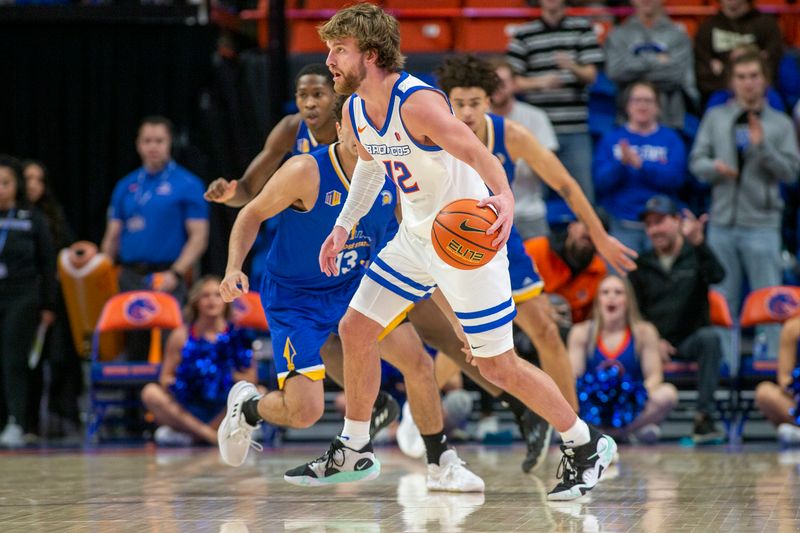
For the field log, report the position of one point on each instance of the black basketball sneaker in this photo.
(581, 467)
(339, 464)
(384, 412)
(537, 433)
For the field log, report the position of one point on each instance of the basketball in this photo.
(459, 234)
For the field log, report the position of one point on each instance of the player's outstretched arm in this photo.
(521, 143)
(296, 182)
(236, 193)
(427, 115)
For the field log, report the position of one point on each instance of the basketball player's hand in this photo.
(330, 249)
(620, 257)
(234, 285)
(504, 205)
(220, 190)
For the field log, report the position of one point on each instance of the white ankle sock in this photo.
(355, 434)
(577, 435)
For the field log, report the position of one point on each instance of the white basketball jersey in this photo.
(427, 177)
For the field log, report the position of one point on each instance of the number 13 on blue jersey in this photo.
(399, 173)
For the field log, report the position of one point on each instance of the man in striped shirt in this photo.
(555, 58)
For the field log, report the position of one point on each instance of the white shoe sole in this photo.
(342, 477)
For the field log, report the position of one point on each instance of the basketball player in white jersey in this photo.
(407, 129)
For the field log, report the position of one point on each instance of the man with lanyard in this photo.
(157, 222)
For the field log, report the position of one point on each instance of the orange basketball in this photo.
(459, 234)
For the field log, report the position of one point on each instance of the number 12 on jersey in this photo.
(398, 172)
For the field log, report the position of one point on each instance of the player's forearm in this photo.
(492, 174)
(368, 179)
(243, 235)
(255, 177)
(572, 193)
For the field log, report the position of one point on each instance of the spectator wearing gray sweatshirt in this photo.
(744, 150)
(649, 46)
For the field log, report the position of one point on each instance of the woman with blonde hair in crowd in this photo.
(615, 356)
(202, 360)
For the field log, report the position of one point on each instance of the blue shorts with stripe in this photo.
(407, 269)
(525, 280)
(300, 323)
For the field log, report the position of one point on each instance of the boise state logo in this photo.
(386, 198)
(141, 308)
(781, 305)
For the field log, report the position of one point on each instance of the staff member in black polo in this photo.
(27, 296)
(157, 223)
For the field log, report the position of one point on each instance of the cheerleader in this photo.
(616, 359)
(202, 361)
(778, 402)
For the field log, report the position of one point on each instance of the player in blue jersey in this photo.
(469, 82)
(303, 308)
(314, 126)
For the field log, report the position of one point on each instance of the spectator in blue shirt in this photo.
(636, 161)
(157, 221)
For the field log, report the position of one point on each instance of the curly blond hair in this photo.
(373, 29)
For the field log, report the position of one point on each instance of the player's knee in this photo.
(416, 364)
(498, 370)
(355, 327)
(543, 326)
(306, 414)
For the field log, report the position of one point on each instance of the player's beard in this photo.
(350, 82)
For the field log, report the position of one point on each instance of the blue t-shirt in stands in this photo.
(622, 189)
(153, 209)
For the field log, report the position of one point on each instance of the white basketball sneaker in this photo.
(235, 434)
(789, 434)
(409, 439)
(451, 475)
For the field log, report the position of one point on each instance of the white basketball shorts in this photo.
(408, 270)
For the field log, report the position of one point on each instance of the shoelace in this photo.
(329, 457)
(450, 469)
(566, 468)
(240, 433)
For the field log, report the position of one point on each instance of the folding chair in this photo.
(683, 374)
(770, 305)
(116, 385)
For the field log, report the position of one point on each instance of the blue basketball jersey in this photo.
(624, 356)
(496, 143)
(305, 142)
(293, 259)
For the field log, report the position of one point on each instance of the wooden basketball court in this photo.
(665, 488)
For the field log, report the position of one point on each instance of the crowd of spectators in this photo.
(738, 164)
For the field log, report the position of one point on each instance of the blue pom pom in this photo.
(609, 398)
(204, 375)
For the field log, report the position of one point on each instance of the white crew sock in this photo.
(355, 434)
(577, 435)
